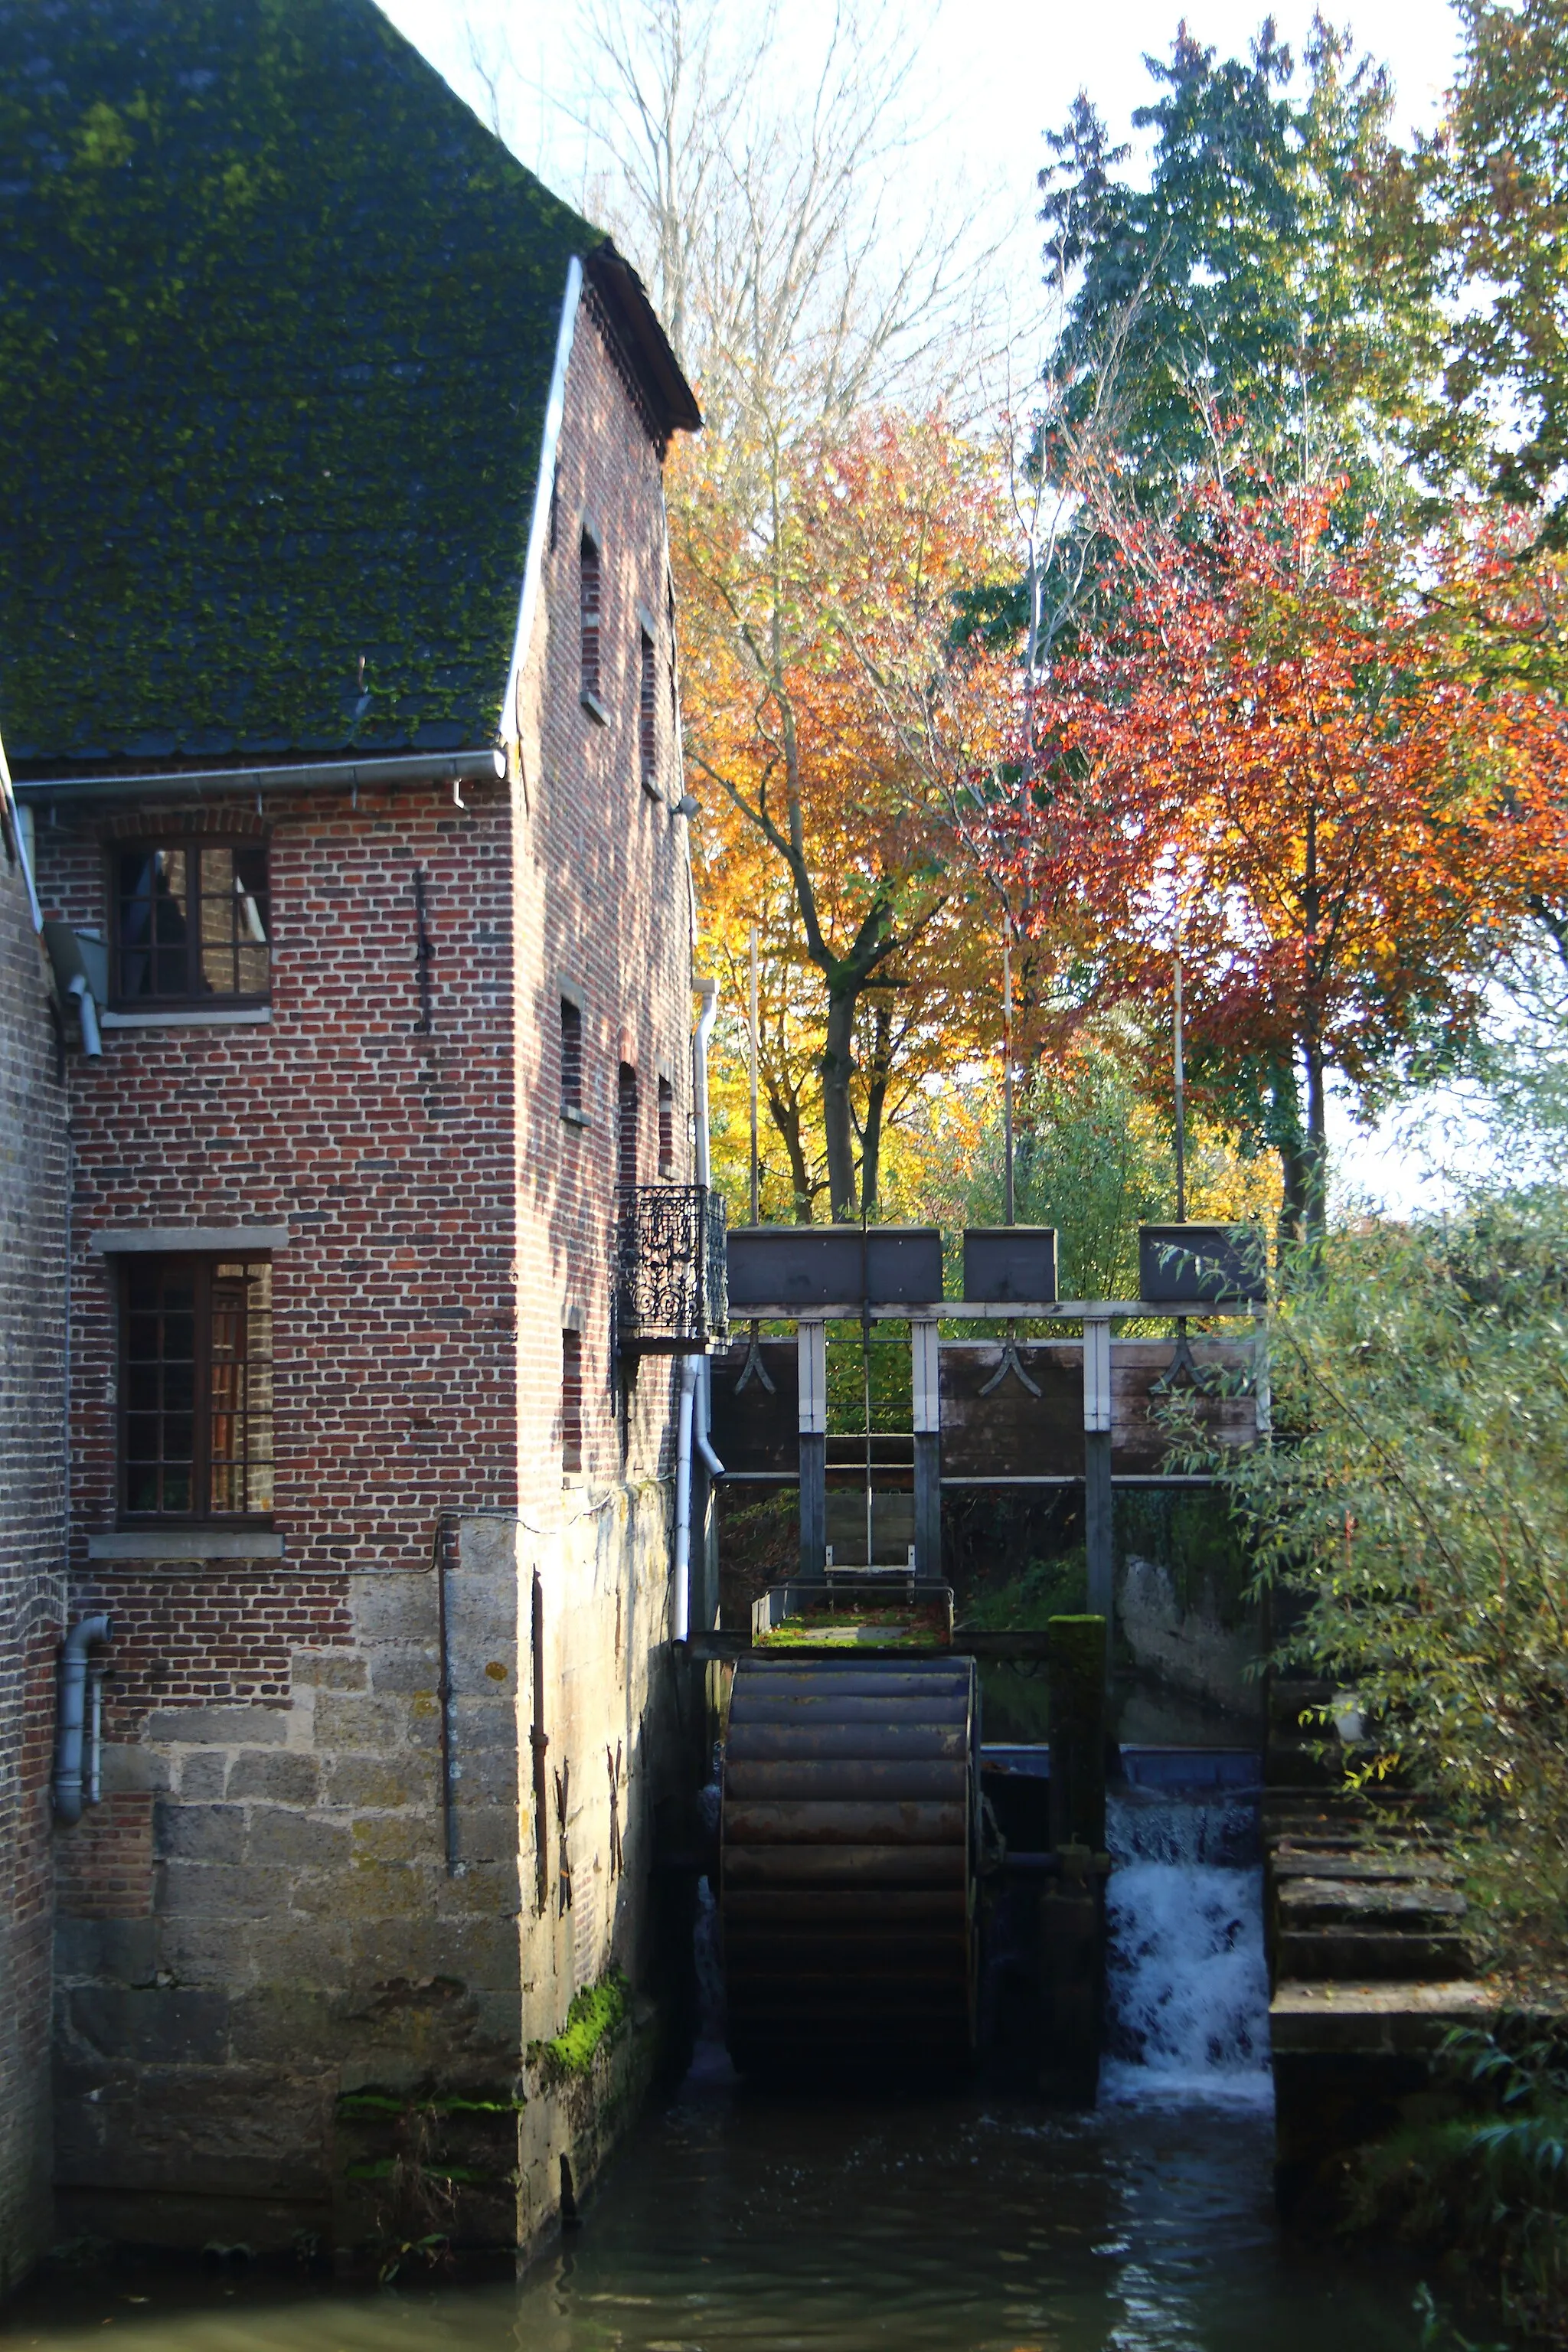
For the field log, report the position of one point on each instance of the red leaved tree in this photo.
(1268, 756)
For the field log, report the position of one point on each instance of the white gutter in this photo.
(539, 528)
(298, 776)
(20, 836)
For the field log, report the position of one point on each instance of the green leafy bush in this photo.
(1489, 2183)
(1413, 1513)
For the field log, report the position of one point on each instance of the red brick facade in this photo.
(270, 1774)
(32, 1557)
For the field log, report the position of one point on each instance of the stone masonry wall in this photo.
(32, 1558)
(279, 1971)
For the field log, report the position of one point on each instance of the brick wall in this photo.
(274, 1725)
(32, 1547)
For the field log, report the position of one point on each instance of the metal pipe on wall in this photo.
(83, 1634)
(680, 1595)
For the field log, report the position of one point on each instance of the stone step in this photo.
(1311, 2018)
(1399, 1905)
(1372, 1865)
(1357, 1956)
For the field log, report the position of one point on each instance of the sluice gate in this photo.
(861, 1866)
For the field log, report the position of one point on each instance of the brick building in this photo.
(32, 1541)
(337, 667)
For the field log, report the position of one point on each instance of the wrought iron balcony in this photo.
(671, 1293)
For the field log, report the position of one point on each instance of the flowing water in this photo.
(980, 2221)
(1188, 1980)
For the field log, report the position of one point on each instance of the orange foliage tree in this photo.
(1270, 756)
(836, 717)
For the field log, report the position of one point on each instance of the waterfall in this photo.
(1188, 1983)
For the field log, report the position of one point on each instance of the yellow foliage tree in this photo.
(837, 721)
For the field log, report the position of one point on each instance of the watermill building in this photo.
(338, 680)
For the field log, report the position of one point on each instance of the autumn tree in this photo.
(1268, 758)
(836, 717)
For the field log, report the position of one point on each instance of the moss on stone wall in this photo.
(594, 2017)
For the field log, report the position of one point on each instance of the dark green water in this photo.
(739, 2222)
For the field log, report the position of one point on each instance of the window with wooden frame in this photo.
(590, 599)
(195, 1388)
(191, 921)
(648, 710)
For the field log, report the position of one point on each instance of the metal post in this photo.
(1098, 1527)
(757, 1170)
(1181, 1106)
(1010, 1214)
(928, 1449)
(811, 1341)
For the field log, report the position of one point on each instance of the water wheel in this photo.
(847, 1861)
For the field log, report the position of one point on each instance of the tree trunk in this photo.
(785, 1116)
(1316, 1203)
(879, 1071)
(838, 1066)
(1284, 1130)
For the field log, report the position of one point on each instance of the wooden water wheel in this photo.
(848, 1834)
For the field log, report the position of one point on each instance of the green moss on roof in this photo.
(276, 322)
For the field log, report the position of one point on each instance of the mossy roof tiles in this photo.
(276, 322)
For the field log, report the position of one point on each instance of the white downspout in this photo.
(706, 1019)
(703, 1423)
(681, 1603)
(680, 1599)
(73, 1687)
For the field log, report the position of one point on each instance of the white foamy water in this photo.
(1188, 1983)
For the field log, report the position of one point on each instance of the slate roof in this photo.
(276, 322)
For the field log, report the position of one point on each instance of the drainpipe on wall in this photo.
(68, 1741)
(681, 1599)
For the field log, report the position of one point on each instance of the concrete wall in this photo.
(292, 1997)
(32, 1558)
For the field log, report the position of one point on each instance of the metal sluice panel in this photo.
(847, 1862)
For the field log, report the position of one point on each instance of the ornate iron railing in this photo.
(671, 1291)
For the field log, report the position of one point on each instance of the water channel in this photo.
(740, 2221)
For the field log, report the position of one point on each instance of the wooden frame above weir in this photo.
(927, 1347)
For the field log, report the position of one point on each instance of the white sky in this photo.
(991, 96)
(989, 81)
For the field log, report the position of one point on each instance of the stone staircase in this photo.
(1370, 1961)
